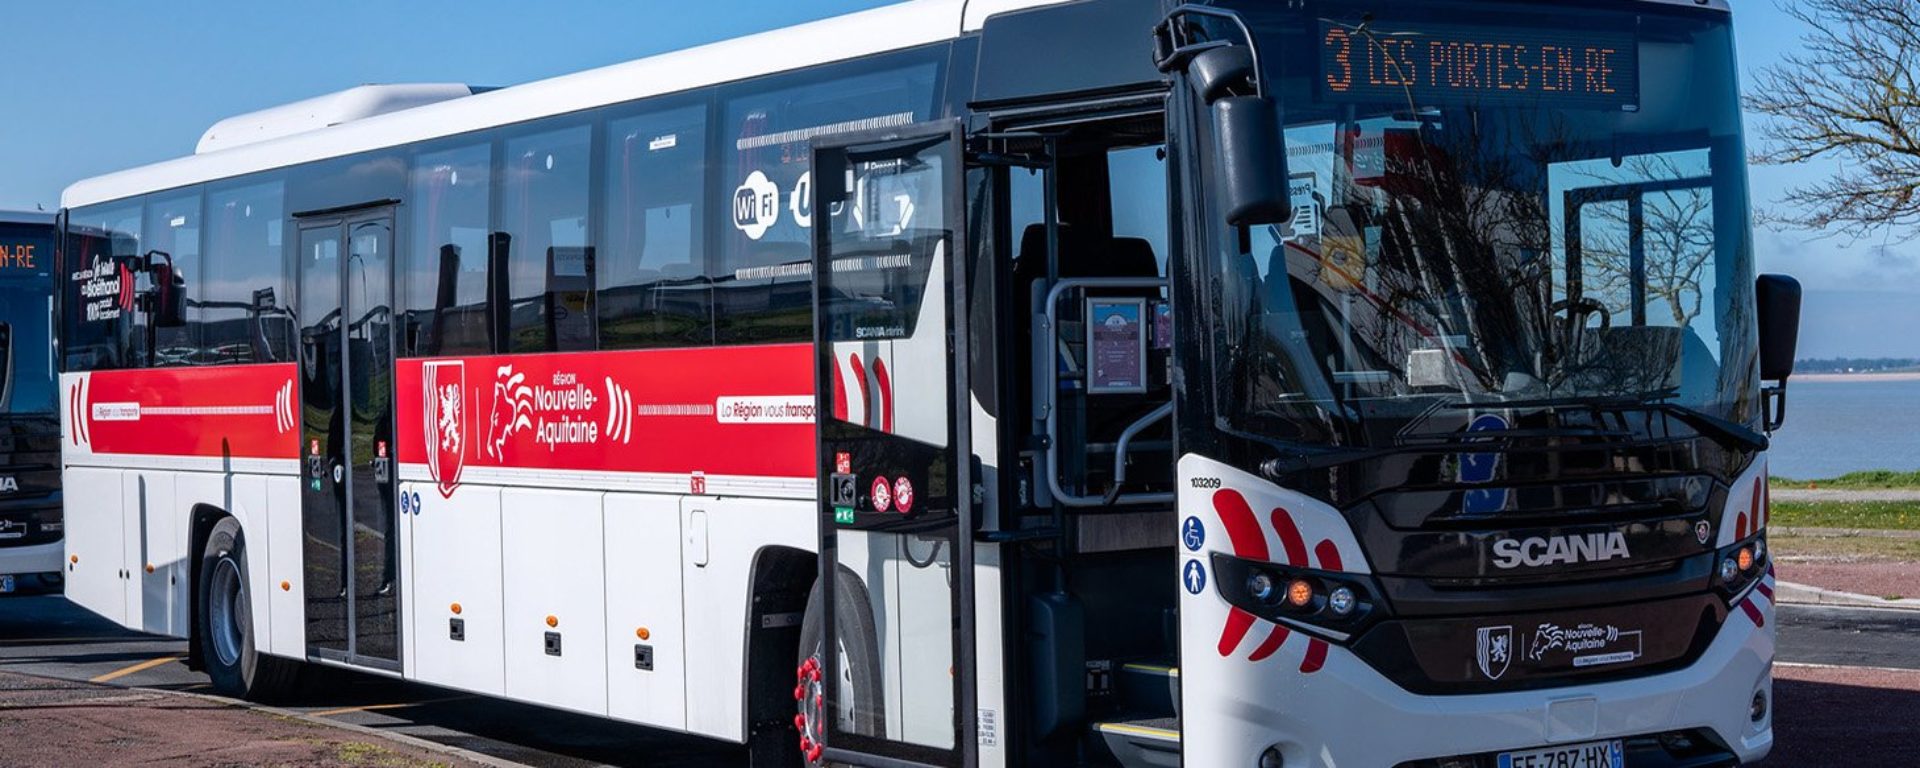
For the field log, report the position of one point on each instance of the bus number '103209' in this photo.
(1206, 482)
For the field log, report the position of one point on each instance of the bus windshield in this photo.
(26, 312)
(1497, 210)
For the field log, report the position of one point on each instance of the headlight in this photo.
(1741, 565)
(1329, 605)
(1341, 600)
(1260, 587)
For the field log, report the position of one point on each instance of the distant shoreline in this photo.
(1901, 376)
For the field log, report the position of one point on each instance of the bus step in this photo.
(1151, 743)
(1151, 688)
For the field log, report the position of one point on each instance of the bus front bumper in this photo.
(1347, 714)
(34, 568)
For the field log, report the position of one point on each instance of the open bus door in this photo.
(896, 554)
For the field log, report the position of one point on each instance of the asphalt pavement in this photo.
(1846, 636)
(49, 637)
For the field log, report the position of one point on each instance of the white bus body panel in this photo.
(455, 546)
(95, 541)
(286, 608)
(716, 595)
(553, 568)
(643, 545)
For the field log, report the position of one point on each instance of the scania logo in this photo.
(1560, 550)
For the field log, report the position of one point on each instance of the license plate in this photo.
(1598, 754)
(6, 585)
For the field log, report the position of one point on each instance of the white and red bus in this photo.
(975, 383)
(30, 524)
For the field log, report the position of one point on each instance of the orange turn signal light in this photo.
(553, 621)
(1299, 593)
(455, 608)
(286, 586)
(1745, 558)
(642, 633)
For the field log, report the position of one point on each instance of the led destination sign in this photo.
(1435, 64)
(16, 255)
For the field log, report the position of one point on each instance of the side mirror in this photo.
(1218, 72)
(1777, 299)
(1253, 164)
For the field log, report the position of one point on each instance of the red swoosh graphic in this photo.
(1273, 643)
(886, 394)
(1290, 538)
(1238, 623)
(1243, 530)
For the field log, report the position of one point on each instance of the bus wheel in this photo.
(225, 622)
(857, 707)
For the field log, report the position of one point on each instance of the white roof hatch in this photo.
(346, 106)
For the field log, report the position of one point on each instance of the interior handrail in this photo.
(1046, 380)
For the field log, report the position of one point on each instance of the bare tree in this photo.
(1848, 95)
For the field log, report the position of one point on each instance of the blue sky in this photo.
(92, 87)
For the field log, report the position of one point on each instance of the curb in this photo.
(375, 733)
(1803, 594)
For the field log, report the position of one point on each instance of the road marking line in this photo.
(378, 707)
(140, 667)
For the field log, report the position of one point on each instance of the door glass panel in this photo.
(1606, 257)
(370, 385)
(1639, 274)
(323, 486)
(890, 515)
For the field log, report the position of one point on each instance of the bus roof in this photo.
(892, 27)
(26, 217)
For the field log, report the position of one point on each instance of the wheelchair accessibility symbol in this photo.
(1193, 533)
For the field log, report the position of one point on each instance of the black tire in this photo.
(224, 622)
(858, 638)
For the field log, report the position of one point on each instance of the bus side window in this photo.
(653, 285)
(98, 335)
(242, 316)
(444, 274)
(544, 201)
(173, 230)
(763, 287)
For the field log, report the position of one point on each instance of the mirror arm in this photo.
(1773, 406)
(1173, 49)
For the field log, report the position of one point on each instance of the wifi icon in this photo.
(619, 412)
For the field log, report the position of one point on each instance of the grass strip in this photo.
(1869, 515)
(1877, 479)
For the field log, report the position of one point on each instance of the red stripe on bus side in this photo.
(210, 412)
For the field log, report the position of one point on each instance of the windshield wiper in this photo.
(1726, 432)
